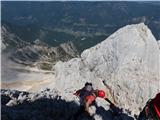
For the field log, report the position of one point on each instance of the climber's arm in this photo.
(111, 104)
(77, 92)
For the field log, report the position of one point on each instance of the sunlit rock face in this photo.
(128, 62)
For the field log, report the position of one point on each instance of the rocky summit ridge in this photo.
(127, 62)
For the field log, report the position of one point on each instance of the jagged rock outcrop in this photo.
(46, 105)
(128, 62)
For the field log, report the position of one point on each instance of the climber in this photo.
(152, 109)
(87, 97)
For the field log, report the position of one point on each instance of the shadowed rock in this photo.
(47, 108)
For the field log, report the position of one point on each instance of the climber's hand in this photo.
(111, 105)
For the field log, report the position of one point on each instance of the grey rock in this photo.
(22, 98)
(12, 103)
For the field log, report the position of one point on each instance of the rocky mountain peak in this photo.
(127, 62)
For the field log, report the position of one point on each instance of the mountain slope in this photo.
(34, 54)
(24, 63)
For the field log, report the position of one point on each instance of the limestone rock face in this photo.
(128, 62)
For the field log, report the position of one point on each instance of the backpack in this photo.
(150, 111)
(156, 103)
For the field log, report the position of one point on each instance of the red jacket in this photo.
(156, 102)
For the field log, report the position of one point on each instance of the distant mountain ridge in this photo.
(36, 54)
